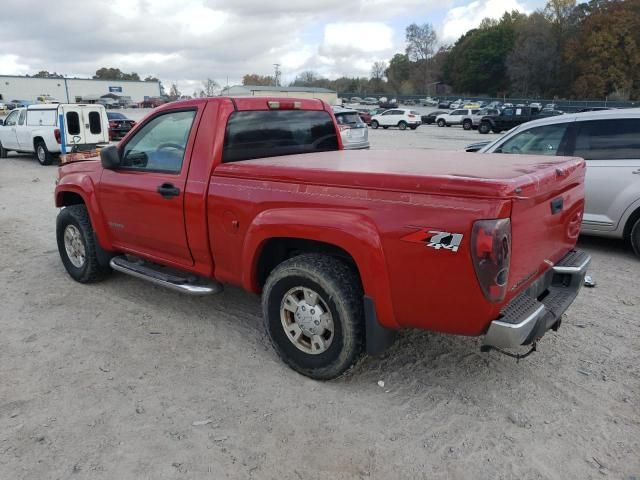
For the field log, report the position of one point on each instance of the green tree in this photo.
(255, 79)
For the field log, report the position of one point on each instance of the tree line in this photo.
(566, 50)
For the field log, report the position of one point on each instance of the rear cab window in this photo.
(270, 133)
(617, 139)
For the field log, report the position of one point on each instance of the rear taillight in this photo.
(411, 116)
(344, 127)
(113, 124)
(56, 133)
(491, 253)
(273, 105)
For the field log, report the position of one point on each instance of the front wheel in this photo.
(441, 123)
(313, 313)
(77, 245)
(484, 128)
(3, 151)
(43, 155)
(402, 125)
(374, 124)
(467, 125)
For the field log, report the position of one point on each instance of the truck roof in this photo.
(415, 171)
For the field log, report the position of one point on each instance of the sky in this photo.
(188, 41)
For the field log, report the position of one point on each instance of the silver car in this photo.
(354, 132)
(609, 141)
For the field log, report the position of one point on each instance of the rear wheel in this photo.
(3, 151)
(402, 125)
(385, 126)
(313, 313)
(413, 127)
(635, 237)
(467, 125)
(374, 124)
(43, 155)
(484, 128)
(441, 123)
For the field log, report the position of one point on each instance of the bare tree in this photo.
(174, 93)
(377, 70)
(421, 41)
(306, 79)
(210, 87)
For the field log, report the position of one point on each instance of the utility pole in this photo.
(276, 74)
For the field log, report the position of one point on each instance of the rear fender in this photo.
(83, 186)
(352, 232)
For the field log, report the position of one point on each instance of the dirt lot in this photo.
(124, 380)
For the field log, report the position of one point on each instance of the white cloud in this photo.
(362, 36)
(461, 19)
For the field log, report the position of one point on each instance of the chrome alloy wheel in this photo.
(74, 246)
(42, 155)
(307, 320)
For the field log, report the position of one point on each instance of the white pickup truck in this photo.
(35, 129)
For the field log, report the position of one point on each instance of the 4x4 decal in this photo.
(435, 239)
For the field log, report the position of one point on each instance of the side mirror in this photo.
(110, 157)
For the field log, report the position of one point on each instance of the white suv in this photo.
(462, 116)
(397, 117)
(609, 141)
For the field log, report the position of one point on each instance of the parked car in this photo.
(119, 125)
(430, 118)
(609, 141)
(153, 102)
(456, 105)
(477, 117)
(508, 118)
(353, 131)
(388, 105)
(428, 102)
(397, 117)
(345, 247)
(36, 129)
(369, 101)
(3, 106)
(537, 105)
(444, 104)
(593, 109)
(13, 104)
(46, 99)
(365, 115)
(461, 116)
(109, 103)
(409, 102)
(472, 105)
(356, 100)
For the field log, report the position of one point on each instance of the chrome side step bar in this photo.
(180, 282)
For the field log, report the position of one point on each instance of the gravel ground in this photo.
(124, 380)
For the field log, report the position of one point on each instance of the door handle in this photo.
(168, 190)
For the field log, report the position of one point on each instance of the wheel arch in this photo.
(276, 235)
(633, 217)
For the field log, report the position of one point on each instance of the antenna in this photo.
(276, 74)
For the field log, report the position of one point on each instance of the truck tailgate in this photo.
(545, 221)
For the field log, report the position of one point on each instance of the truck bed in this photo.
(415, 171)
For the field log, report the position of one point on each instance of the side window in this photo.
(73, 123)
(389, 112)
(608, 139)
(545, 140)
(95, 125)
(507, 112)
(11, 120)
(23, 116)
(160, 144)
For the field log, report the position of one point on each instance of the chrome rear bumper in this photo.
(528, 316)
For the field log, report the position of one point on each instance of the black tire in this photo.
(385, 126)
(91, 270)
(3, 151)
(413, 127)
(402, 125)
(338, 286)
(484, 128)
(374, 124)
(634, 237)
(441, 123)
(42, 153)
(467, 125)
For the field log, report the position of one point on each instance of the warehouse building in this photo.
(72, 90)
(329, 96)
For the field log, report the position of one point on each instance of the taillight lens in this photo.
(56, 134)
(344, 127)
(491, 253)
(113, 124)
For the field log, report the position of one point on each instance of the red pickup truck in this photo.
(346, 247)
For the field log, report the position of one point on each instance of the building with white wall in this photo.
(329, 96)
(71, 90)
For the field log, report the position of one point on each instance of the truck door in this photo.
(96, 128)
(8, 131)
(73, 125)
(143, 199)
